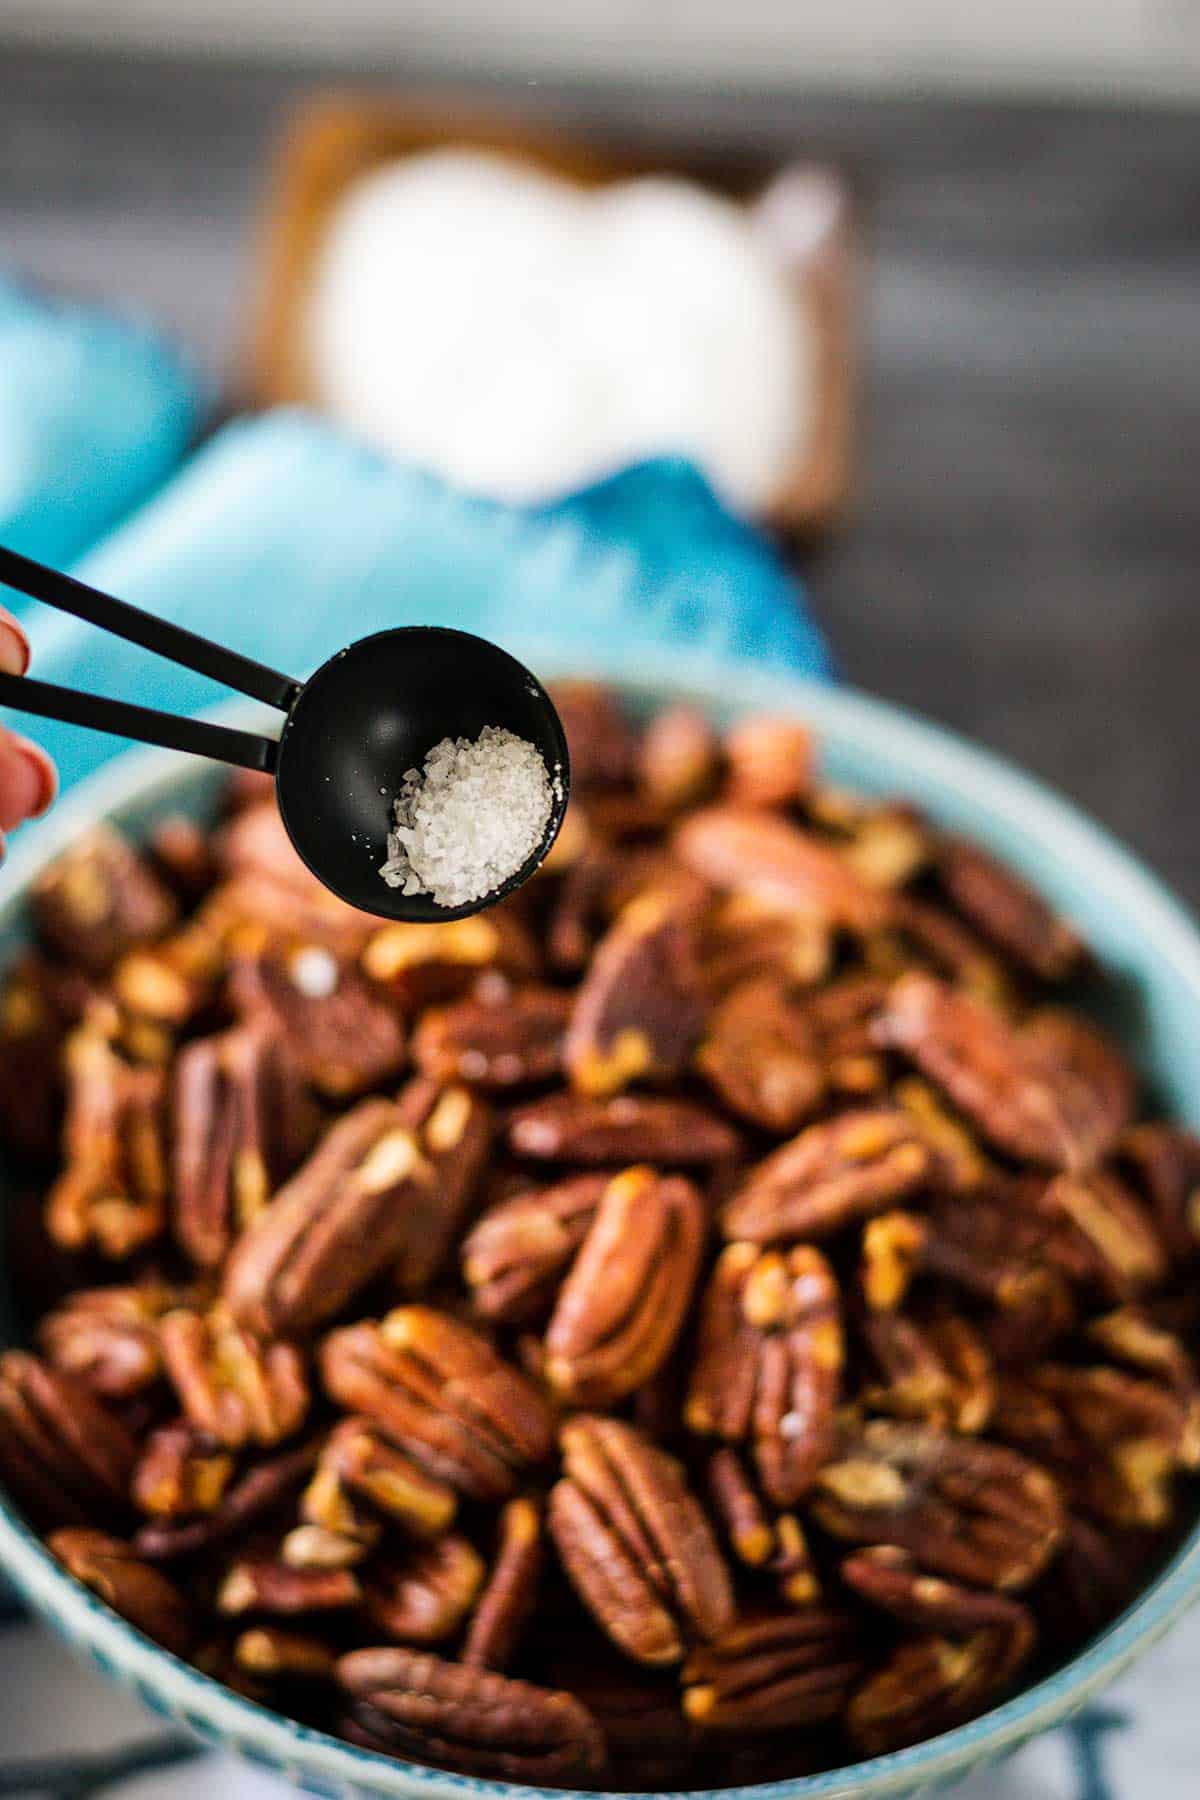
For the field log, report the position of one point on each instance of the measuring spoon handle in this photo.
(197, 736)
(152, 633)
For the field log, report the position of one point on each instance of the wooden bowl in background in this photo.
(804, 207)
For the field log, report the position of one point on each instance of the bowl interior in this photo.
(1151, 949)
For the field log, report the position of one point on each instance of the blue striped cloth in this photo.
(95, 414)
(285, 540)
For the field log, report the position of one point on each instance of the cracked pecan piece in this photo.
(259, 1584)
(341, 1220)
(781, 1672)
(324, 1547)
(965, 1509)
(770, 762)
(638, 871)
(1106, 1237)
(627, 819)
(373, 1469)
(761, 1056)
(999, 1247)
(513, 1041)
(600, 739)
(1052, 1092)
(141, 1594)
(109, 1337)
(65, 1457)
(336, 1530)
(760, 1536)
(509, 1596)
(453, 1129)
(515, 1257)
(635, 1542)
(1096, 1082)
(631, 1128)
(843, 1014)
(408, 1703)
(422, 965)
(170, 985)
(232, 1386)
(936, 1369)
(678, 758)
(98, 900)
(1031, 1327)
(243, 1120)
(268, 1653)
(780, 864)
(893, 1253)
(1163, 1164)
(650, 1743)
(256, 907)
(344, 1028)
(39, 1005)
(424, 1598)
(1091, 1580)
(181, 1472)
(255, 841)
(182, 853)
(112, 1193)
(887, 842)
(1116, 1440)
(439, 1389)
(928, 936)
(890, 1578)
(741, 938)
(578, 908)
(769, 1363)
(961, 1161)
(1004, 908)
(622, 1305)
(929, 1684)
(1131, 1336)
(262, 1491)
(833, 1174)
(638, 1010)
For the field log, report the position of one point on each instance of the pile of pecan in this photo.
(712, 1317)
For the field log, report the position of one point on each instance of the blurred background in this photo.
(1007, 537)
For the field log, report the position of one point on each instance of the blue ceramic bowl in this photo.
(1144, 937)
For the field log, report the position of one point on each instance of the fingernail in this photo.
(14, 648)
(45, 775)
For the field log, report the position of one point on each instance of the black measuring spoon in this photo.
(350, 733)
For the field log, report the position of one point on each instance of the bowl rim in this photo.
(1001, 795)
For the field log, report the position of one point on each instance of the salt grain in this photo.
(470, 818)
(314, 973)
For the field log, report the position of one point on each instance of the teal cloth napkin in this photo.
(95, 412)
(285, 540)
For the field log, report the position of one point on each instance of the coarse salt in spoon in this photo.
(352, 734)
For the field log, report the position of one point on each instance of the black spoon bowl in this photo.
(374, 711)
(351, 731)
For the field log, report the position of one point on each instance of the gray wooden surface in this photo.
(1023, 556)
